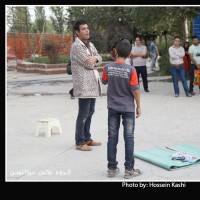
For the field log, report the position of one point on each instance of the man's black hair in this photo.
(78, 23)
(177, 37)
(123, 48)
(194, 37)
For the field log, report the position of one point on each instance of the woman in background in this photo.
(186, 59)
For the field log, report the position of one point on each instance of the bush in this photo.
(164, 64)
(105, 57)
(52, 50)
(45, 59)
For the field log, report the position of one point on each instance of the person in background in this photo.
(153, 54)
(176, 53)
(123, 89)
(186, 59)
(139, 56)
(194, 53)
(86, 82)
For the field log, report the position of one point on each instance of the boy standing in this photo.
(123, 88)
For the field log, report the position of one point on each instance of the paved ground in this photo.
(165, 121)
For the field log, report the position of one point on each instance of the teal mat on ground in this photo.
(161, 156)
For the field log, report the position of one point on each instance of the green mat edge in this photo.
(170, 168)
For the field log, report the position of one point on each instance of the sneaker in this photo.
(192, 93)
(93, 143)
(188, 95)
(176, 95)
(146, 90)
(113, 172)
(132, 173)
(83, 147)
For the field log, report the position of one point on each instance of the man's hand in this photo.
(91, 60)
(138, 112)
(198, 66)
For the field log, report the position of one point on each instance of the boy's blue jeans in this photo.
(128, 121)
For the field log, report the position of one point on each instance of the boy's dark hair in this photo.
(123, 48)
(78, 23)
(177, 37)
(194, 37)
(138, 36)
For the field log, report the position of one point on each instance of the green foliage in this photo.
(114, 22)
(40, 20)
(19, 19)
(105, 57)
(58, 19)
(52, 50)
(45, 59)
(164, 64)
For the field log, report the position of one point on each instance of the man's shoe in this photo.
(146, 90)
(93, 143)
(83, 147)
(188, 95)
(192, 93)
(113, 172)
(176, 95)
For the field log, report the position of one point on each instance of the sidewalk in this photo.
(165, 121)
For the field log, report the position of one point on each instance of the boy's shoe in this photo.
(113, 172)
(83, 147)
(132, 173)
(146, 90)
(192, 93)
(93, 143)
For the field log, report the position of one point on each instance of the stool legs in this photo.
(48, 127)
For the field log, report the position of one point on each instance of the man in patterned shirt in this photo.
(86, 82)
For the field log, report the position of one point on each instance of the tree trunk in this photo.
(166, 40)
(186, 29)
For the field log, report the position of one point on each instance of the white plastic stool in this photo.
(49, 123)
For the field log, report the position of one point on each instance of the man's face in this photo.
(83, 32)
(177, 42)
(195, 41)
(137, 41)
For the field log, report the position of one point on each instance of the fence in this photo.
(23, 45)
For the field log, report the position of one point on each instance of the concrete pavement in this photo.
(165, 121)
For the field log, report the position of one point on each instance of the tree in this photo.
(150, 22)
(40, 19)
(19, 19)
(58, 19)
(10, 18)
